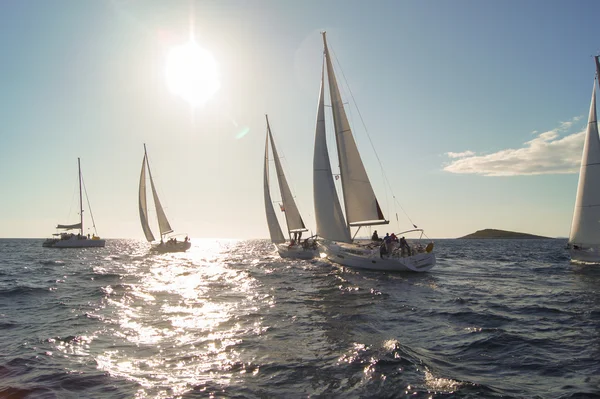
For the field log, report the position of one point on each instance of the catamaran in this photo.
(167, 243)
(360, 203)
(66, 239)
(584, 239)
(296, 247)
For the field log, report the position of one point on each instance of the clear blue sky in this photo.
(475, 108)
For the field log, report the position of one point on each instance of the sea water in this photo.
(229, 318)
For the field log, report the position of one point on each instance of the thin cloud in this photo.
(460, 154)
(548, 153)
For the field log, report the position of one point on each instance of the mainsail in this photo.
(292, 215)
(585, 229)
(143, 203)
(274, 228)
(69, 226)
(330, 220)
(362, 208)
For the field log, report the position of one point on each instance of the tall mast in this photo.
(80, 198)
(360, 202)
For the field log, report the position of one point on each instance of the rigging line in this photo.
(89, 206)
(369, 137)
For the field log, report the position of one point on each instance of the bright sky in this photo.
(475, 108)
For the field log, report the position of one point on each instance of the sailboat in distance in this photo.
(72, 240)
(171, 244)
(296, 248)
(360, 203)
(584, 239)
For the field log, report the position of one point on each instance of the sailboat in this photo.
(171, 244)
(360, 203)
(584, 239)
(67, 239)
(296, 248)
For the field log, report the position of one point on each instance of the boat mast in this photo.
(80, 199)
(360, 202)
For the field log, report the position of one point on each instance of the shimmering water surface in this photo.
(494, 318)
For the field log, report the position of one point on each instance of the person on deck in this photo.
(375, 237)
(387, 240)
(382, 250)
(404, 247)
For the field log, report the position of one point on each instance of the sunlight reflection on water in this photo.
(174, 320)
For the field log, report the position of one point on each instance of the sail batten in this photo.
(360, 201)
(274, 228)
(292, 214)
(329, 217)
(143, 205)
(585, 228)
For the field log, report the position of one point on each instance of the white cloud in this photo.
(548, 153)
(460, 154)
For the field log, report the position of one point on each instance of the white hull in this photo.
(362, 257)
(588, 255)
(73, 242)
(296, 252)
(172, 247)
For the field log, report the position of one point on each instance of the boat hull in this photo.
(587, 255)
(172, 247)
(361, 257)
(74, 242)
(297, 252)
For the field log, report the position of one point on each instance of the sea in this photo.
(231, 319)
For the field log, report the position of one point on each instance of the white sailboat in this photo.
(66, 239)
(360, 202)
(171, 244)
(584, 239)
(296, 248)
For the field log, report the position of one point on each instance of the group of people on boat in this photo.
(390, 242)
(307, 243)
(173, 241)
(68, 236)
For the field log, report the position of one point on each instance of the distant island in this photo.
(492, 233)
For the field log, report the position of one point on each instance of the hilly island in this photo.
(492, 233)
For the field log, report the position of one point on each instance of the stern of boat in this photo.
(297, 252)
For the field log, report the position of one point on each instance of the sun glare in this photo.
(192, 73)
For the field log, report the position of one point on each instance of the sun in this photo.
(192, 73)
